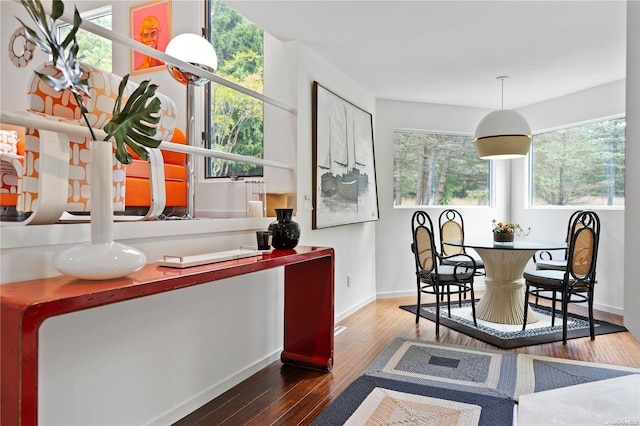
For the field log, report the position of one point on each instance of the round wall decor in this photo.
(20, 49)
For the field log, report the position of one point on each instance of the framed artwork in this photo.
(150, 25)
(344, 171)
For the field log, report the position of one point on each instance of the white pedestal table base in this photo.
(503, 298)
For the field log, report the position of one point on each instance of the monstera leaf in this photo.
(134, 125)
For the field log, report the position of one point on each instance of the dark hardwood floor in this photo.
(283, 395)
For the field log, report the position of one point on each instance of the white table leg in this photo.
(503, 298)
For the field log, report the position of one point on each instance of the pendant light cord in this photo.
(501, 78)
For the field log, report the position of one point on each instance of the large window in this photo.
(579, 166)
(438, 169)
(94, 49)
(234, 120)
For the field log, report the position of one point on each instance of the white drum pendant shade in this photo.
(503, 134)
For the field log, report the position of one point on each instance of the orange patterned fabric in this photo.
(10, 166)
(103, 93)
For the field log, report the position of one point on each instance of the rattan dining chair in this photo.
(434, 277)
(575, 284)
(544, 259)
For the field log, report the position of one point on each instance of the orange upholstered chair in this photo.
(138, 193)
(11, 166)
(61, 106)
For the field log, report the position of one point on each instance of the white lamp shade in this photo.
(503, 134)
(195, 50)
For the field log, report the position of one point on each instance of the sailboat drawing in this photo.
(346, 183)
(327, 179)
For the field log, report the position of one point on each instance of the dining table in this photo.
(503, 298)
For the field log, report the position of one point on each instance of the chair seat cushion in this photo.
(445, 273)
(140, 169)
(464, 260)
(556, 265)
(546, 278)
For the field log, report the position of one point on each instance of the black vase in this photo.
(286, 232)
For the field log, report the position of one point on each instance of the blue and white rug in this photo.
(507, 336)
(418, 382)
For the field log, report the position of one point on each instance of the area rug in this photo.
(485, 371)
(511, 336)
(423, 382)
(377, 401)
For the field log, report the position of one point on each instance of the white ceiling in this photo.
(450, 52)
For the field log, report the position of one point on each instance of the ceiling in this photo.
(450, 52)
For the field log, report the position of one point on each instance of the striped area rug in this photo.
(417, 382)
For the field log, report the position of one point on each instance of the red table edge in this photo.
(25, 305)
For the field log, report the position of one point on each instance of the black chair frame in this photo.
(452, 215)
(546, 255)
(577, 283)
(432, 277)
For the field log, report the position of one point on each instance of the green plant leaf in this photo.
(57, 9)
(135, 124)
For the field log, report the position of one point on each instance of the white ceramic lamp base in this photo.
(102, 258)
(100, 261)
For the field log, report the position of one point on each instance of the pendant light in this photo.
(503, 134)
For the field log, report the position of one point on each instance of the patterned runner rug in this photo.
(418, 382)
(511, 336)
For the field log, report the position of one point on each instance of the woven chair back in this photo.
(451, 231)
(583, 246)
(424, 248)
(451, 227)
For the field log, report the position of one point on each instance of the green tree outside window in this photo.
(235, 119)
(94, 49)
(579, 166)
(438, 169)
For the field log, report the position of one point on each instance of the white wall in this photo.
(14, 81)
(395, 270)
(632, 226)
(354, 244)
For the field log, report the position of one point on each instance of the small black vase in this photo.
(286, 232)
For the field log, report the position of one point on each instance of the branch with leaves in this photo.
(132, 125)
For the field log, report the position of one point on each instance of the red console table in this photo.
(308, 313)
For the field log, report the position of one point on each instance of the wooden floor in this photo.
(283, 395)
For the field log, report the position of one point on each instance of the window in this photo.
(94, 50)
(234, 120)
(438, 169)
(579, 166)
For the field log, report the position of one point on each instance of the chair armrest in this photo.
(542, 255)
(156, 184)
(469, 264)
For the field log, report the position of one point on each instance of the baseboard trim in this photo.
(192, 404)
(355, 308)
